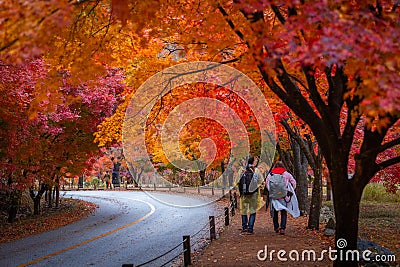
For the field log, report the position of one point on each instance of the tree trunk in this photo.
(36, 205)
(300, 173)
(50, 197)
(36, 198)
(286, 158)
(347, 201)
(230, 177)
(57, 190)
(202, 176)
(328, 189)
(14, 203)
(316, 201)
(224, 178)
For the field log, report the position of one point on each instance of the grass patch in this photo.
(377, 192)
(379, 219)
(380, 222)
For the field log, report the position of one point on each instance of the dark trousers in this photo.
(248, 222)
(283, 219)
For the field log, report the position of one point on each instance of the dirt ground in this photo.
(233, 248)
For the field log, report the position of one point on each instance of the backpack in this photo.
(277, 186)
(246, 183)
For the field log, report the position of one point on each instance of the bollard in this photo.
(230, 196)
(212, 190)
(184, 190)
(154, 186)
(186, 250)
(223, 192)
(198, 190)
(235, 200)
(233, 209)
(212, 228)
(226, 216)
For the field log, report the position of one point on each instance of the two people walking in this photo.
(279, 187)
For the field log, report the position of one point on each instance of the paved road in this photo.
(128, 227)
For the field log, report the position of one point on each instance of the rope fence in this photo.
(214, 225)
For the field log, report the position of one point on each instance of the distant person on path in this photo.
(249, 182)
(107, 180)
(281, 186)
(115, 172)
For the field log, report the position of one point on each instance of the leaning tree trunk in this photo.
(286, 158)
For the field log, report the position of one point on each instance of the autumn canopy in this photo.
(331, 69)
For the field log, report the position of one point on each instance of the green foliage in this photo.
(377, 192)
(96, 182)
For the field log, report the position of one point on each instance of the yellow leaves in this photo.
(370, 83)
(110, 130)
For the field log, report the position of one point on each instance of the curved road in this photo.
(128, 227)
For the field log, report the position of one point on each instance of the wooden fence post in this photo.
(186, 250)
(212, 228)
(226, 216)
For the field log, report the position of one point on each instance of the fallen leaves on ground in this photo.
(69, 211)
(379, 223)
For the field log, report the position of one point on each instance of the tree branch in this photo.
(389, 145)
(278, 14)
(300, 141)
(313, 90)
(378, 148)
(231, 24)
(9, 44)
(388, 163)
(335, 96)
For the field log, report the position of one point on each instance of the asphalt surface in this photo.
(127, 228)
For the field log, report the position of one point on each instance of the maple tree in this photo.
(295, 46)
(44, 147)
(325, 41)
